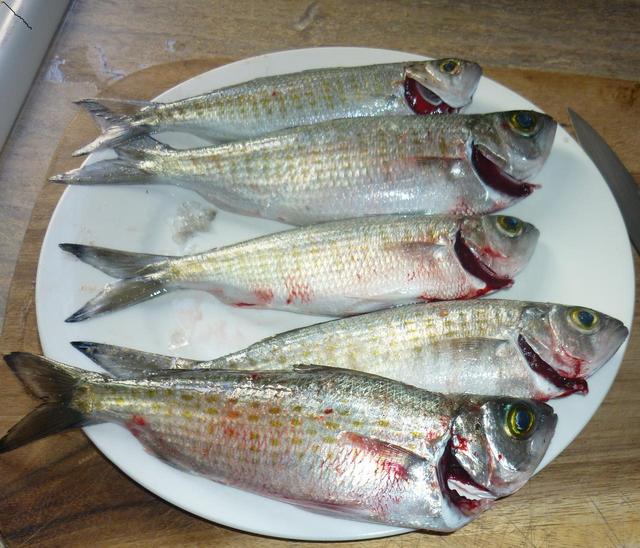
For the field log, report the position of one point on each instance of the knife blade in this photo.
(620, 181)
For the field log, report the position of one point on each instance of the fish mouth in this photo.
(497, 178)
(422, 100)
(474, 266)
(542, 368)
(462, 491)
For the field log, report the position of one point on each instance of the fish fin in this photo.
(43, 421)
(116, 119)
(122, 294)
(139, 149)
(112, 171)
(309, 368)
(127, 168)
(116, 263)
(126, 362)
(56, 384)
(382, 448)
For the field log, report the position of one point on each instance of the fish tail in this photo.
(145, 277)
(130, 166)
(117, 121)
(121, 294)
(116, 263)
(113, 171)
(57, 385)
(127, 363)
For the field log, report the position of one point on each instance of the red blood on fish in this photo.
(492, 175)
(541, 367)
(264, 296)
(432, 436)
(137, 419)
(298, 290)
(460, 442)
(395, 470)
(487, 250)
(414, 93)
(474, 266)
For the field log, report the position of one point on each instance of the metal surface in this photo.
(26, 29)
(620, 181)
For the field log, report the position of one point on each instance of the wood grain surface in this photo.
(62, 492)
(586, 55)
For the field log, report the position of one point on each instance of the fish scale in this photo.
(344, 442)
(270, 103)
(338, 268)
(457, 164)
(487, 346)
(252, 428)
(373, 266)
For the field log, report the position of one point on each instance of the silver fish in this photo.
(266, 104)
(486, 346)
(344, 442)
(335, 269)
(458, 164)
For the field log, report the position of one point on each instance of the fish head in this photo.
(512, 145)
(494, 448)
(450, 81)
(574, 341)
(502, 243)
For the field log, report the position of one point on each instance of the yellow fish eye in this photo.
(510, 226)
(584, 319)
(450, 66)
(524, 122)
(520, 421)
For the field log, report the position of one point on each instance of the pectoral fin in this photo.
(391, 459)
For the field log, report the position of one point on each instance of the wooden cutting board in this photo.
(62, 492)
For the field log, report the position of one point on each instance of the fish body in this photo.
(267, 104)
(343, 442)
(336, 269)
(458, 164)
(482, 346)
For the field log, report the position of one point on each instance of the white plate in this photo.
(583, 257)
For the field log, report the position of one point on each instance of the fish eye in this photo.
(584, 319)
(519, 421)
(450, 66)
(510, 226)
(524, 122)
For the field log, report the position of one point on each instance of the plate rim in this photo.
(388, 530)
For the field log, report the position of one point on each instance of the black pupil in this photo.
(449, 66)
(586, 318)
(523, 420)
(510, 222)
(525, 120)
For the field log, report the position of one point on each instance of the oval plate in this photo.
(576, 262)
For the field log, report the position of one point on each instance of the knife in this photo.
(622, 184)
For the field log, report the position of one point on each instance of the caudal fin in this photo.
(130, 166)
(117, 121)
(121, 295)
(55, 384)
(116, 263)
(126, 362)
(144, 278)
(113, 171)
